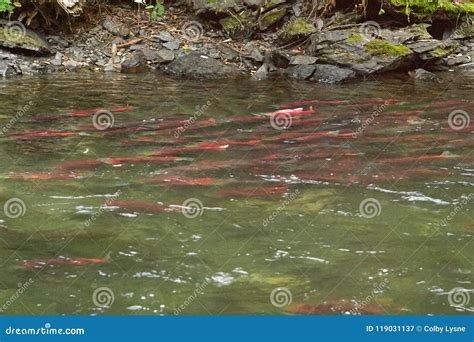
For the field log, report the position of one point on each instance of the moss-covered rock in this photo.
(379, 47)
(430, 6)
(297, 29)
(238, 26)
(15, 36)
(271, 17)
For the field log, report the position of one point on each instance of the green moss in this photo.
(300, 27)
(377, 47)
(271, 17)
(430, 6)
(237, 23)
(355, 38)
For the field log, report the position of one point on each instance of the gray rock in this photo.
(423, 75)
(432, 49)
(165, 36)
(197, 66)
(150, 54)
(331, 74)
(468, 66)
(261, 74)
(133, 63)
(57, 60)
(165, 55)
(302, 60)
(115, 28)
(6, 70)
(280, 58)
(349, 49)
(300, 72)
(137, 47)
(256, 55)
(56, 40)
(227, 52)
(172, 45)
(456, 60)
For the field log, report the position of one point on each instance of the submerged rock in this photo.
(198, 66)
(423, 75)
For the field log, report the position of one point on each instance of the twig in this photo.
(129, 43)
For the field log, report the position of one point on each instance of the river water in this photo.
(235, 197)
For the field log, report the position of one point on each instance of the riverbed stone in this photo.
(326, 73)
(302, 60)
(456, 60)
(352, 50)
(423, 75)
(165, 36)
(199, 66)
(172, 45)
(280, 58)
(300, 72)
(6, 70)
(165, 55)
(133, 63)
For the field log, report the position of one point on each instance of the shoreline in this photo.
(193, 48)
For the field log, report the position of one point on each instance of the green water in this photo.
(311, 238)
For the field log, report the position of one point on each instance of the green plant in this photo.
(6, 6)
(157, 10)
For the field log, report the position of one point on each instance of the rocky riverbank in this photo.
(257, 39)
